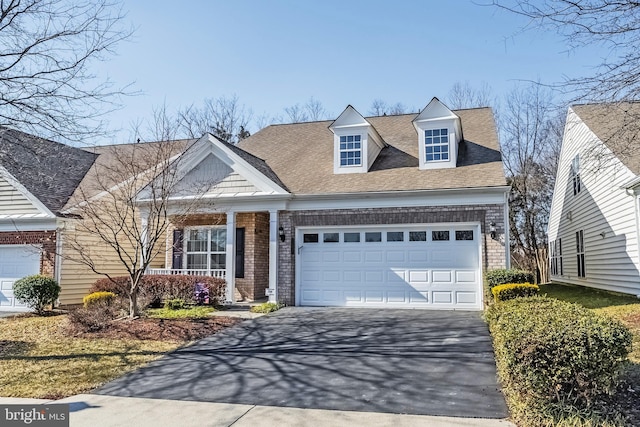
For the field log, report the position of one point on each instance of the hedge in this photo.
(158, 288)
(36, 291)
(504, 276)
(554, 354)
(514, 290)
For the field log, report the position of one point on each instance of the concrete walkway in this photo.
(93, 410)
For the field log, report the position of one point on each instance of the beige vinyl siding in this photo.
(76, 279)
(13, 202)
(605, 211)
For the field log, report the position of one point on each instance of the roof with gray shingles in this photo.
(617, 125)
(301, 155)
(49, 170)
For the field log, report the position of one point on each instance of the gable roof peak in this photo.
(435, 109)
(349, 117)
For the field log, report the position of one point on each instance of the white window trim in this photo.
(185, 242)
(351, 150)
(580, 255)
(440, 144)
(575, 175)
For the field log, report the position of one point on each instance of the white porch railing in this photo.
(188, 271)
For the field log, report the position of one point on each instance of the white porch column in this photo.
(144, 235)
(230, 274)
(273, 255)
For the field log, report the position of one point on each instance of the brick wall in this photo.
(256, 264)
(493, 251)
(42, 239)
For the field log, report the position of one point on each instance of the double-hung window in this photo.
(206, 248)
(580, 253)
(575, 175)
(555, 248)
(436, 145)
(351, 150)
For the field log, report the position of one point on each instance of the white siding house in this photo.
(593, 225)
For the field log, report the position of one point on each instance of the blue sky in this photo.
(273, 54)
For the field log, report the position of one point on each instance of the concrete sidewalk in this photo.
(93, 410)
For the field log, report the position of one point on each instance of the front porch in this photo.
(240, 247)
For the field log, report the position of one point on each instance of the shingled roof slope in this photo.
(301, 155)
(49, 170)
(617, 125)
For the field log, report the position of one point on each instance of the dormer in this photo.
(356, 143)
(439, 133)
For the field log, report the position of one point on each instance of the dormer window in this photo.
(439, 133)
(350, 150)
(436, 143)
(356, 143)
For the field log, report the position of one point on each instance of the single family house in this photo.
(402, 211)
(593, 225)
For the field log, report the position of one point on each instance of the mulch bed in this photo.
(163, 329)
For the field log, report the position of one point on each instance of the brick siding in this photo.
(46, 240)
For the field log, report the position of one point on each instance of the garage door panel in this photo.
(16, 261)
(392, 267)
(466, 297)
(442, 297)
(373, 256)
(375, 276)
(352, 276)
(442, 276)
(466, 276)
(420, 276)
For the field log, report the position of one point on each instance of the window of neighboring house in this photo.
(205, 248)
(555, 249)
(575, 175)
(350, 150)
(436, 145)
(580, 253)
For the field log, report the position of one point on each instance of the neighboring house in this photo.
(593, 225)
(37, 178)
(402, 211)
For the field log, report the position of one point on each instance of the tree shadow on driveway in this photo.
(397, 361)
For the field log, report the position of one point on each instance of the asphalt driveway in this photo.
(396, 361)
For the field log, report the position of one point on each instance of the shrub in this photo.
(555, 355)
(36, 291)
(175, 304)
(266, 307)
(156, 288)
(92, 318)
(99, 298)
(514, 290)
(504, 276)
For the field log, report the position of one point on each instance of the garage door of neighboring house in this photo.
(16, 262)
(418, 266)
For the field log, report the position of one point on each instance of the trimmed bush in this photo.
(157, 288)
(93, 318)
(504, 276)
(36, 291)
(175, 304)
(555, 357)
(514, 290)
(99, 298)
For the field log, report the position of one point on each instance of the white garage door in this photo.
(399, 266)
(16, 261)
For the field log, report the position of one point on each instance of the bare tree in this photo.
(223, 117)
(531, 129)
(614, 24)
(296, 114)
(315, 110)
(47, 50)
(463, 95)
(381, 108)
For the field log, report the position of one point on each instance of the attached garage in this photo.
(417, 266)
(16, 262)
